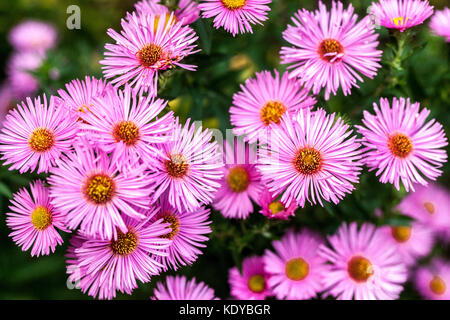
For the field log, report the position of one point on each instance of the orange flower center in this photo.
(276, 207)
(308, 161)
(125, 244)
(297, 269)
(429, 207)
(149, 55)
(238, 179)
(329, 49)
(41, 218)
(127, 132)
(257, 283)
(360, 269)
(174, 226)
(400, 145)
(177, 166)
(401, 233)
(100, 188)
(234, 4)
(272, 112)
(41, 140)
(167, 17)
(437, 285)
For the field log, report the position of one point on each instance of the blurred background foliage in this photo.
(421, 72)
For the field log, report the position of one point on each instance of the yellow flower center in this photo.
(257, 283)
(272, 112)
(308, 161)
(127, 132)
(400, 21)
(400, 145)
(174, 226)
(429, 207)
(41, 140)
(276, 207)
(149, 55)
(329, 49)
(297, 269)
(437, 285)
(360, 269)
(41, 218)
(167, 16)
(177, 166)
(238, 179)
(401, 233)
(125, 244)
(100, 188)
(234, 4)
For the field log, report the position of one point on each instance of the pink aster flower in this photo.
(188, 232)
(79, 95)
(127, 124)
(440, 23)
(142, 51)
(429, 205)
(400, 145)
(251, 284)
(35, 134)
(273, 208)
(330, 49)
(179, 288)
(103, 267)
(188, 169)
(433, 281)
(241, 182)
(187, 11)
(365, 265)
(34, 220)
(20, 79)
(311, 157)
(88, 187)
(33, 35)
(6, 99)
(235, 16)
(295, 270)
(401, 14)
(262, 101)
(413, 242)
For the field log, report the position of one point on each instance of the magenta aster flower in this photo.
(106, 266)
(251, 284)
(179, 288)
(187, 11)
(401, 14)
(235, 16)
(20, 79)
(330, 49)
(400, 145)
(34, 220)
(188, 169)
(88, 187)
(188, 232)
(433, 282)
(33, 35)
(365, 265)
(35, 134)
(6, 99)
(295, 270)
(263, 101)
(127, 124)
(440, 23)
(429, 205)
(413, 242)
(141, 52)
(273, 208)
(312, 157)
(241, 182)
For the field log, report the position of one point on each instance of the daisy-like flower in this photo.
(429, 206)
(127, 124)
(141, 52)
(365, 265)
(400, 145)
(188, 168)
(440, 23)
(413, 242)
(33, 35)
(187, 11)
(241, 182)
(295, 270)
(79, 95)
(311, 157)
(103, 267)
(88, 187)
(263, 101)
(330, 49)
(273, 208)
(34, 220)
(22, 83)
(235, 16)
(35, 134)
(188, 232)
(252, 283)
(179, 288)
(433, 281)
(401, 14)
